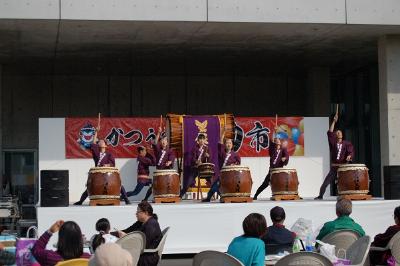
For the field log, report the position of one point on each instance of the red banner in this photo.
(123, 135)
(253, 135)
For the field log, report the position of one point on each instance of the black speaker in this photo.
(54, 190)
(54, 197)
(391, 177)
(54, 179)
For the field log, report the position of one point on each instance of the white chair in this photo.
(213, 258)
(134, 243)
(357, 253)
(159, 249)
(341, 239)
(304, 259)
(393, 245)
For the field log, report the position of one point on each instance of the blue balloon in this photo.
(282, 135)
(295, 135)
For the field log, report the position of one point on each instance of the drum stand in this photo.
(286, 197)
(104, 202)
(236, 199)
(167, 199)
(356, 196)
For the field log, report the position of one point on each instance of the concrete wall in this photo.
(287, 11)
(26, 97)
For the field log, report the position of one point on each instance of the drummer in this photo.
(279, 157)
(341, 152)
(200, 154)
(226, 157)
(145, 160)
(164, 155)
(102, 158)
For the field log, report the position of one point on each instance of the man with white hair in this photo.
(343, 220)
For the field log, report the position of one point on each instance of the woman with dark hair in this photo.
(381, 240)
(249, 248)
(104, 236)
(148, 224)
(69, 246)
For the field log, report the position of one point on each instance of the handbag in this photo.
(23, 252)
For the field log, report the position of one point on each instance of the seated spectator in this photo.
(69, 245)
(249, 248)
(104, 236)
(111, 254)
(343, 220)
(381, 240)
(148, 224)
(6, 258)
(278, 238)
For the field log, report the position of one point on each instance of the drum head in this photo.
(103, 170)
(282, 170)
(164, 172)
(350, 167)
(234, 168)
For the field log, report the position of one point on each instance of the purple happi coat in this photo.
(339, 151)
(163, 156)
(277, 155)
(101, 159)
(233, 159)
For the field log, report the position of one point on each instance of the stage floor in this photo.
(197, 226)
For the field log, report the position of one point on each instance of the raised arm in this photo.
(335, 119)
(158, 135)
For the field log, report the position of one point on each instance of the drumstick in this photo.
(337, 109)
(98, 121)
(276, 120)
(224, 124)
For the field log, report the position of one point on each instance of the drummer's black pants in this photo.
(328, 180)
(264, 185)
(189, 181)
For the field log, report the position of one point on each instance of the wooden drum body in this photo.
(206, 170)
(166, 184)
(353, 179)
(284, 181)
(104, 183)
(235, 181)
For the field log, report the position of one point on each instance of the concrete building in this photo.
(68, 58)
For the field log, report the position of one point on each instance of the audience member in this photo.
(69, 245)
(111, 254)
(278, 238)
(249, 248)
(343, 220)
(381, 240)
(104, 236)
(148, 224)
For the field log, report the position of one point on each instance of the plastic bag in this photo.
(303, 228)
(327, 250)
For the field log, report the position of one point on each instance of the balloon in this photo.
(299, 151)
(295, 134)
(301, 125)
(290, 146)
(301, 140)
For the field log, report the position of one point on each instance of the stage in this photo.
(199, 226)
